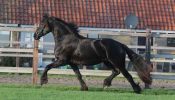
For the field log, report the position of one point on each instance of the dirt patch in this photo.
(91, 81)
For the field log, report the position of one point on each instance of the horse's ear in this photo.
(45, 16)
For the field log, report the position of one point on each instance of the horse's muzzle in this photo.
(36, 37)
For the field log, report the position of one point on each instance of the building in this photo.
(155, 14)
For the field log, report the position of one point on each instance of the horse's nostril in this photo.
(34, 35)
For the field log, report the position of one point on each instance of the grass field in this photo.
(57, 92)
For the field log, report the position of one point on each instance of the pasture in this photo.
(57, 92)
(64, 87)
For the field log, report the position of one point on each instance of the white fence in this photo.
(21, 52)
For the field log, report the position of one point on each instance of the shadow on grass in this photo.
(118, 90)
(144, 91)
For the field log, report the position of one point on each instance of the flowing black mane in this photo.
(72, 26)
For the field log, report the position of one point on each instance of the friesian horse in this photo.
(73, 49)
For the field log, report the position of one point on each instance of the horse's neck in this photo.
(59, 38)
(60, 35)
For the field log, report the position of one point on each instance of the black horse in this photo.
(74, 49)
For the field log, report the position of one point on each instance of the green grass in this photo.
(57, 92)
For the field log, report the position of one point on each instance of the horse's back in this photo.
(85, 53)
(94, 51)
(113, 48)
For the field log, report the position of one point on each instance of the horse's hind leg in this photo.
(135, 86)
(79, 76)
(115, 71)
(107, 81)
(126, 74)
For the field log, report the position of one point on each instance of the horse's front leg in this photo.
(44, 78)
(79, 77)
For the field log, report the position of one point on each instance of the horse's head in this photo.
(43, 28)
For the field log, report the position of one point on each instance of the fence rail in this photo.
(102, 31)
(16, 50)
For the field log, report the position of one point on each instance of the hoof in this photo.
(106, 83)
(137, 89)
(44, 81)
(84, 88)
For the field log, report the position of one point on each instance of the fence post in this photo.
(148, 46)
(35, 62)
(148, 50)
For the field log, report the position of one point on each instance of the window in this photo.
(4, 38)
(26, 38)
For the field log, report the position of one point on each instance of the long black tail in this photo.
(142, 67)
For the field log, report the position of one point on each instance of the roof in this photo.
(154, 14)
